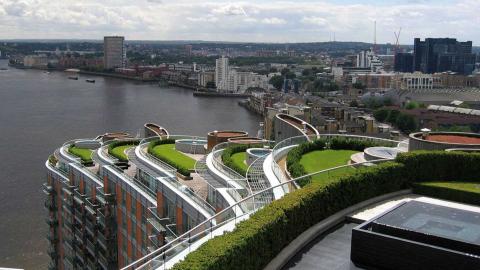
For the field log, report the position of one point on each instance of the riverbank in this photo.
(218, 94)
(118, 76)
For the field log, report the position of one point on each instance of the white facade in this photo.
(231, 80)
(368, 59)
(414, 81)
(114, 53)
(36, 61)
(221, 72)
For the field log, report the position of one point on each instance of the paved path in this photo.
(330, 252)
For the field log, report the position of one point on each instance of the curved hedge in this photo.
(295, 155)
(118, 144)
(256, 241)
(230, 151)
(84, 154)
(180, 169)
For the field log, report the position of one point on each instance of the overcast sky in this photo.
(257, 21)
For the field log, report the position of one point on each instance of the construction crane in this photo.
(396, 49)
(397, 37)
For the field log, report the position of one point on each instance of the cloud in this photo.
(248, 20)
(274, 21)
(16, 9)
(315, 20)
(230, 10)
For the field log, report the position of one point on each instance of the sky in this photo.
(244, 21)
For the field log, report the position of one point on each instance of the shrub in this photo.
(231, 150)
(180, 169)
(256, 241)
(459, 192)
(53, 160)
(118, 144)
(84, 154)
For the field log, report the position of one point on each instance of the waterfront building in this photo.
(35, 61)
(114, 52)
(206, 78)
(128, 208)
(221, 72)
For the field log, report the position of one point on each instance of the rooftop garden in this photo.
(83, 153)
(165, 151)
(325, 159)
(322, 154)
(117, 149)
(256, 241)
(234, 157)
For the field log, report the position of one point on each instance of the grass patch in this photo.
(119, 151)
(466, 192)
(168, 152)
(324, 159)
(84, 154)
(239, 160)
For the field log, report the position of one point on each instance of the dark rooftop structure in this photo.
(419, 235)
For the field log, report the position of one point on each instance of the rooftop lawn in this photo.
(325, 159)
(168, 152)
(82, 153)
(119, 151)
(239, 160)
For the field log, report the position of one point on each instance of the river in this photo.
(39, 111)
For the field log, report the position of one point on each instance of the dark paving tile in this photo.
(328, 252)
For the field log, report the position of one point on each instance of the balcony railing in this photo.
(51, 221)
(52, 236)
(91, 247)
(48, 189)
(90, 227)
(50, 204)
(102, 261)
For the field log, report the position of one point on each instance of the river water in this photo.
(40, 111)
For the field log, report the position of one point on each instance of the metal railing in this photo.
(207, 230)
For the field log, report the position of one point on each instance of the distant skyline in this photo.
(241, 21)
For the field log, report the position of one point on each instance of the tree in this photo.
(358, 85)
(277, 82)
(406, 123)
(353, 103)
(381, 114)
(412, 105)
(288, 74)
(392, 116)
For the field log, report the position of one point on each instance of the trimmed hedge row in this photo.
(444, 190)
(256, 241)
(293, 159)
(121, 143)
(230, 151)
(295, 155)
(180, 169)
(84, 154)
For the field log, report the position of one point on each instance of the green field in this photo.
(84, 154)
(239, 160)
(168, 152)
(119, 151)
(324, 159)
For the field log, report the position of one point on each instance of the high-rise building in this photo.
(114, 52)
(439, 55)
(221, 72)
(403, 62)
